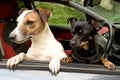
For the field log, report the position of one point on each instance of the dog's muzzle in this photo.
(72, 43)
(13, 38)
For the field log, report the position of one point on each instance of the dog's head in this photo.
(83, 33)
(29, 23)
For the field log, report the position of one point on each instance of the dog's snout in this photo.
(72, 43)
(12, 37)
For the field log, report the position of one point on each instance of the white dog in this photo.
(33, 24)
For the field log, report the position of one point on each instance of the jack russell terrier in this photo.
(33, 24)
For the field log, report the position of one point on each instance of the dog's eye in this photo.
(80, 31)
(29, 22)
(73, 33)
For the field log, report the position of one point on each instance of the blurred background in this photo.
(61, 12)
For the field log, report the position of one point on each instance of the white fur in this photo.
(44, 47)
(20, 38)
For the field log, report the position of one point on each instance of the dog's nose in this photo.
(72, 42)
(12, 37)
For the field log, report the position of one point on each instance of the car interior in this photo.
(8, 15)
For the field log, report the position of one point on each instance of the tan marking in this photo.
(107, 63)
(45, 14)
(85, 45)
(21, 10)
(97, 27)
(34, 28)
(67, 59)
(90, 37)
(39, 20)
(80, 31)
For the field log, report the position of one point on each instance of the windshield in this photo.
(108, 10)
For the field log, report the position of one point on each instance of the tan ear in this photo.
(98, 23)
(21, 10)
(44, 14)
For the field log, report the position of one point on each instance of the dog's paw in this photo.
(109, 65)
(54, 66)
(12, 62)
(67, 59)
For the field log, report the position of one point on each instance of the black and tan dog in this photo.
(85, 44)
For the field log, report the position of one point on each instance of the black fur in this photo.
(84, 31)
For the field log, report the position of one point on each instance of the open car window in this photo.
(61, 30)
(33, 70)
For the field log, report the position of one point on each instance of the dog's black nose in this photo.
(12, 37)
(72, 42)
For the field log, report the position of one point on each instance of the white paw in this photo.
(12, 62)
(54, 66)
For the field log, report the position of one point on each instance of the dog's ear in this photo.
(98, 23)
(44, 14)
(21, 10)
(72, 20)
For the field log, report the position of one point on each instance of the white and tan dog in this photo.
(33, 24)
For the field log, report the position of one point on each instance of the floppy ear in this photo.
(98, 23)
(21, 10)
(72, 20)
(44, 14)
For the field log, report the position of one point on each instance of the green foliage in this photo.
(20, 4)
(60, 13)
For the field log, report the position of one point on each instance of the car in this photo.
(33, 70)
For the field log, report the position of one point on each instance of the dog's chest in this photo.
(86, 53)
(44, 51)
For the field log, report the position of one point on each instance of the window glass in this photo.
(109, 10)
(60, 13)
